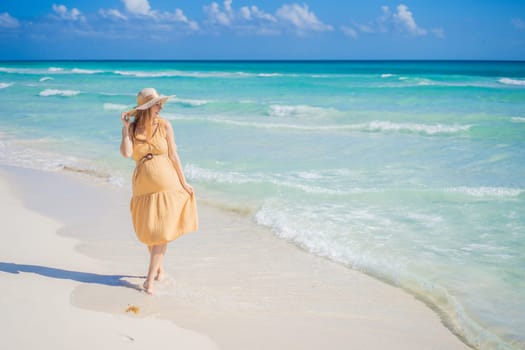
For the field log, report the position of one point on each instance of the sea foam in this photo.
(299, 182)
(298, 110)
(115, 107)
(488, 191)
(374, 126)
(268, 75)
(54, 92)
(508, 81)
(429, 129)
(190, 102)
(177, 73)
(5, 85)
(8, 70)
(86, 71)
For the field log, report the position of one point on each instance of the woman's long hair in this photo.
(144, 121)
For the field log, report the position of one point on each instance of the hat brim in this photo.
(152, 102)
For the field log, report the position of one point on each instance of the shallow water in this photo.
(410, 171)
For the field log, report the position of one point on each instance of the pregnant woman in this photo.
(163, 205)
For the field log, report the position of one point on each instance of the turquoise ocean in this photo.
(410, 171)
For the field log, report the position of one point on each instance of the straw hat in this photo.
(148, 97)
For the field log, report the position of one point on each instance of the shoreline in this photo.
(231, 275)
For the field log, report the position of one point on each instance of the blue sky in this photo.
(255, 29)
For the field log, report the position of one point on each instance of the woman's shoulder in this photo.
(162, 121)
(165, 124)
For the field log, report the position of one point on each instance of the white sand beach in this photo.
(71, 266)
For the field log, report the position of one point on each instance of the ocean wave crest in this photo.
(373, 126)
(24, 71)
(5, 85)
(182, 74)
(428, 129)
(404, 82)
(268, 75)
(483, 192)
(298, 110)
(261, 125)
(428, 82)
(518, 119)
(197, 173)
(508, 81)
(146, 74)
(50, 71)
(45, 79)
(290, 181)
(86, 71)
(115, 107)
(190, 102)
(55, 92)
(7, 70)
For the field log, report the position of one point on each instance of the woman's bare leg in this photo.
(160, 271)
(155, 265)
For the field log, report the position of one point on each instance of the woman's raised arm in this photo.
(126, 145)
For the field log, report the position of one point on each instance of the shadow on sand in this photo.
(84, 277)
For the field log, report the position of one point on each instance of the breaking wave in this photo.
(373, 126)
(55, 92)
(484, 192)
(115, 107)
(508, 81)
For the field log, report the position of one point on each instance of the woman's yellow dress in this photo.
(161, 209)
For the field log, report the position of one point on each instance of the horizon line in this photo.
(260, 60)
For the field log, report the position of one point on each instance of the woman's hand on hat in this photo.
(126, 120)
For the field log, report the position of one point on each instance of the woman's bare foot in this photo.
(148, 287)
(160, 275)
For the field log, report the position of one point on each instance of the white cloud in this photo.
(228, 7)
(112, 14)
(348, 31)
(140, 8)
(7, 21)
(179, 16)
(365, 28)
(63, 13)
(253, 20)
(404, 18)
(246, 13)
(302, 18)
(253, 12)
(384, 20)
(216, 15)
(402, 21)
(137, 7)
(228, 17)
(518, 23)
